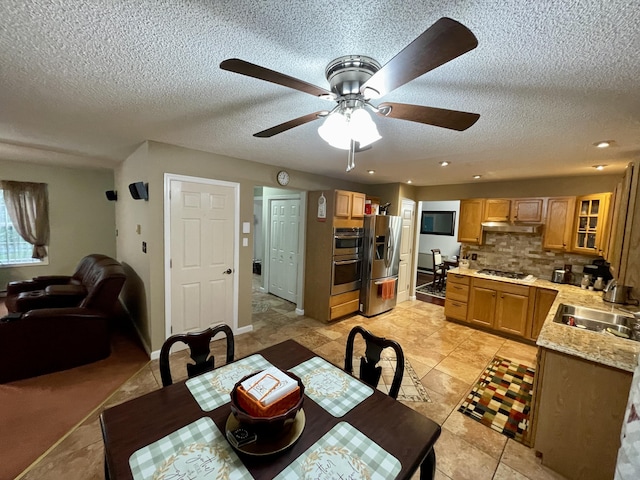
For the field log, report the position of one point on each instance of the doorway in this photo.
(201, 257)
(279, 244)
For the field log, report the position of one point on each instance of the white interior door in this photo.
(202, 219)
(283, 249)
(407, 214)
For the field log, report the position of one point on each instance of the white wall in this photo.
(448, 245)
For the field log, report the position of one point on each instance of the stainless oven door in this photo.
(346, 273)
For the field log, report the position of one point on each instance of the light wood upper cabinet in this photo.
(357, 205)
(470, 224)
(558, 227)
(496, 210)
(349, 204)
(527, 210)
(590, 225)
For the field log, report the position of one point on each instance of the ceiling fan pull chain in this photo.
(351, 159)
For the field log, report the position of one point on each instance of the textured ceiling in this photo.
(87, 82)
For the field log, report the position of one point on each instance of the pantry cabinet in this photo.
(558, 225)
(470, 224)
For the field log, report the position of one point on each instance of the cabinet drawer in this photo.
(501, 286)
(344, 308)
(344, 298)
(457, 278)
(454, 309)
(459, 292)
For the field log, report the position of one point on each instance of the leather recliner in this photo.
(58, 332)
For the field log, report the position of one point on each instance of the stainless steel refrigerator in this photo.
(380, 261)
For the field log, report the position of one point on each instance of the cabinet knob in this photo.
(493, 294)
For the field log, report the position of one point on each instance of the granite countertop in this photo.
(603, 349)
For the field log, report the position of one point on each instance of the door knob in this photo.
(228, 271)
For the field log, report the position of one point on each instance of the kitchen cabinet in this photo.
(529, 210)
(622, 198)
(470, 224)
(543, 298)
(499, 305)
(349, 205)
(457, 296)
(558, 224)
(343, 304)
(496, 210)
(577, 415)
(318, 301)
(589, 233)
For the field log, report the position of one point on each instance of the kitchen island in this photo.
(581, 386)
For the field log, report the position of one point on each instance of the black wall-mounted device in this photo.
(139, 190)
(112, 195)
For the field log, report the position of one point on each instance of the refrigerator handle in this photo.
(387, 259)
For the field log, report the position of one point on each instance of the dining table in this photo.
(345, 429)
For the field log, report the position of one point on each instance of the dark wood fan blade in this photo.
(296, 122)
(441, 42)
(256, 71)
(439, 117)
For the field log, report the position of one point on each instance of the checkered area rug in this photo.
(411, 389)
(430, 289)
(501, 399)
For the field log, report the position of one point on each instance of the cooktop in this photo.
(504, 274)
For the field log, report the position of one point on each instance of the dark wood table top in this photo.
(401, 431)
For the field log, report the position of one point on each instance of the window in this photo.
(14, 250)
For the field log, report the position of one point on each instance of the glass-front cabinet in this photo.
(590, 220)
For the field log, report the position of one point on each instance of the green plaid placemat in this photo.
(212, 389)
(343, 452)
(196, 451)
(331, 388)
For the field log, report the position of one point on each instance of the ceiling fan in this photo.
(356, 79)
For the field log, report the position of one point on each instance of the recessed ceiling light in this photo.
(445, 163)
(408, 181)
(477, 176)
(599, 167)
(603, 144)
(371, 172)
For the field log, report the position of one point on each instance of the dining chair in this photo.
(439, 269)
(198, 343)
(369, 372)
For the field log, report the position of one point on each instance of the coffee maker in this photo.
(598, 269)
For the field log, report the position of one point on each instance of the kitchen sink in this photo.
(608, 323)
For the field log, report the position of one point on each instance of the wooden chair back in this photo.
(200, 351)
(369, 372)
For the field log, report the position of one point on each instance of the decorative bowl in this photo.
(267, 426)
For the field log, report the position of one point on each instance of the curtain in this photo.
(28, 207)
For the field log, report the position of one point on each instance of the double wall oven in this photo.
(346, 267)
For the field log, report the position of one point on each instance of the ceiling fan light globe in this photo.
(362, 128)
(335, 131)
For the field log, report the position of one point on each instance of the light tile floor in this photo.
(447, 357)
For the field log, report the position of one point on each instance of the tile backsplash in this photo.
(522, 252)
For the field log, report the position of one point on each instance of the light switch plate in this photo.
(246, 227)
(245, 242)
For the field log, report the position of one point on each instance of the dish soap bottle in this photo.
(585, 282)
(598, 284)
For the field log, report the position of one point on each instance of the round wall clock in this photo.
(283, 177)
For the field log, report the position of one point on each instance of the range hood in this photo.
(511, 227)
